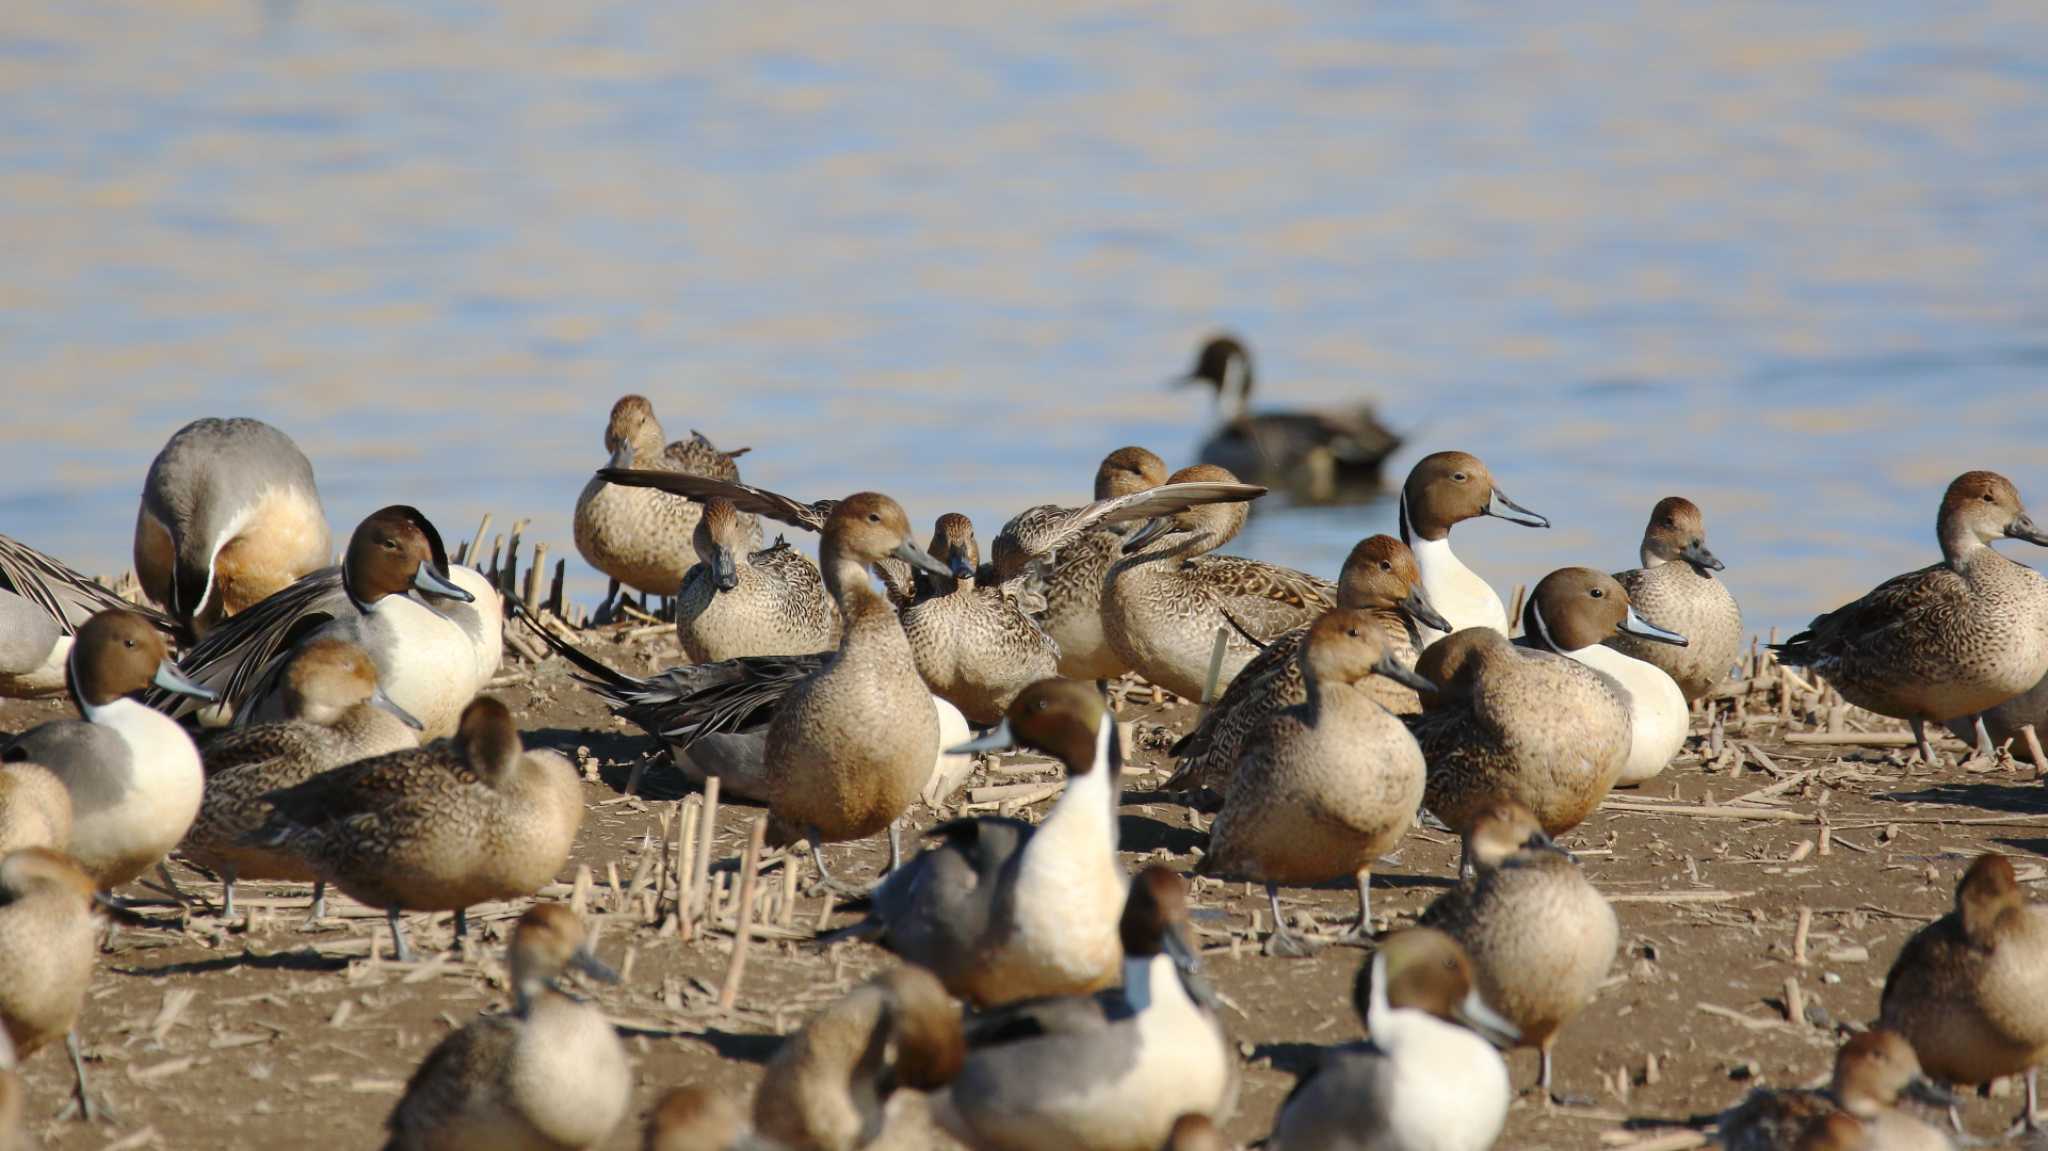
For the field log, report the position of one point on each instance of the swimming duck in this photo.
(829, 1086)
(973, 645)
(1380, 578)
(1167, 597)
(642, 538)
(35, 808)
(738, 602)
(1949, 640)
(1540, 937)
(1675, 589)
(230, 514)
(337, 715)
(435, 828)
(1315, 452)
(549, 1075)
(43, 603)
(133, 774)
(1427, 1079)
(49, 937)
(1073, 593)
(1573, 613)
(1872, 1071)
(427, 663)
(1970, 990)
(1324, 787)
(1112, 1077)
(1445, 489)
(1508, 723)
(1003, 911)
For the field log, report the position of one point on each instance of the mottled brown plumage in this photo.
(1872, 1071)
(737, 603)
(973, 645)
(1676, 590)
(1073, 595)
(638, 537)
(47, 945)
(35, 808)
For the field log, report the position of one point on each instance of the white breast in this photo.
(161, 799)
(1450, 1089)
(426, 662)
(1657, 715)
(570, 1080)
(1070, 888)
(1456, 591)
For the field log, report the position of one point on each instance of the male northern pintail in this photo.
(427, 662)
(1970, 990)
(1094, 1074)
(43, 603)
(35, 808)
(737, 602)
(1949, 640)
(1167, 597)
(830, 1086)
(1002, 910)
(974, 645)
(1540, 937)
(1378, 577)
(230, 515)
(1443, 490)
(1872, 1071)
(336, 714)
(133, 773)
(641, 538)
(1316, 453)
(1073, 592)
(1676, 590)
(1326, 786)
(1428, 1077)
(1574, 612)
(49, 938)
(436, 828)
(548, 1075)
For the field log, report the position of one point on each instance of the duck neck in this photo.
(1960, 545)
(851, 585)
(1235, 390)
(1153, 981)
(1082, 821)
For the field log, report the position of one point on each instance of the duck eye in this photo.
(1352, 632)
(874, 517)
(1987, 498)
(1458, 477)
(127, 643)
(1385, 566)
(1599, 593)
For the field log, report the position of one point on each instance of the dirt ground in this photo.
(263, 1034)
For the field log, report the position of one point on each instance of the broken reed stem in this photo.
(743, 927)
(533, 570)
(554, 604)
(1852, 738)
(1216, 651)
(1799, 934)
(475, 551)
(686, 855)
(1515, 612)
(787, 912)
(700, 877)
(1795, 1001)
(2033, 742)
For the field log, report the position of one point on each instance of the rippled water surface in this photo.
(1791, 261)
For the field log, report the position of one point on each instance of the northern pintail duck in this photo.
(974, 646)
(133, 773)
(1873, 1071)
(1166, 598)
(43, 603)
(1443, 490)
(829, 1086)
(230, 515)
(1547, 732)
(35, 808)
(1106, 1076)
(48, 941)
(428, 663)
(1428, 1078)
(1676, 590)
(1573, 613)
(436, 828)
(1970, 990)
(549, 1075)
(1835, 1131)
(1326, 786)
(1002, 910)
(698, 1118)
(1540, 937)
(1949, 640)
(641, 538)
(1073, 591)
(738, 602)
(1378, 577)
(337, 714)
(1315, 452)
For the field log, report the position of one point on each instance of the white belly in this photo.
(156, 806)
(1456, 591)
(1658, 721)
(428, 665)
(44, 679)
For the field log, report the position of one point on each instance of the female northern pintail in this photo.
(974, 646)
(43, 603)
(337, 714)
(1002, 910)
(1167, 597)
(230, 515)
(1970, 990)
(133, 773)
(48, 941)
(1574, 612)
(1326, 786)
(829, 1086)
(1379, 578)
(1872, 1071)
(1540, 937)
(1675, 589)
(1106, 1074)
(1443, 490)
(1427, 1079)
(1547, 732)
(1317, 453)
(436, 828)
(427, 662)
(1949, 640)
(738, 602)
(1073, 592)
(549, 1075)
(641, 538)
(35, 808)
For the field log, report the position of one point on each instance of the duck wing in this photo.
(1042, 530)
(744, 497)
(1873, 620)
(67, 596)
(238, 658)
(700, 457)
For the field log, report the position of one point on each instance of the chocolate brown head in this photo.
(393, 550)
(326, 678)
(1192, 531)
(1677, 531)
(1988, 893)
(1574, 608)
(930, 1047)
(1834, 1131)
(868, 526)
(1155, 914)
(1422, 969)
(1448, 488)
(118, 653)
(633, 435)
(719, 542)
(488, 739)
(1877, 1067)
(1380, 575)
(1345, 645)
(1225, 364)
(1126, 471)
(1064, 718)
(694, 1119)
(1980, 507)
(953, 545)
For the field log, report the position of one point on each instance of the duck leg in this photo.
(1984, 745)
(1543, 1075)
(1284, 944)
(227, 892)
(1926, 746)
(1362, 930)
(895, 846)
(826, 879)
(2029, 1117)
(319, 911)
(399, 950)
(82, 1105)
